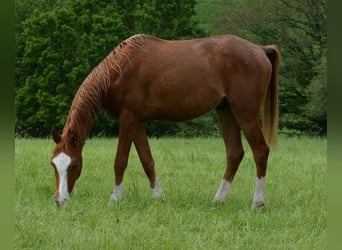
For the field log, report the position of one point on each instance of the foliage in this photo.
(299, 30)
(58, 46)
(316, 92)
(59, 42)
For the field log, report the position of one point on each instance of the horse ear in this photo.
(55, 136)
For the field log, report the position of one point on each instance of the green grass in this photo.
(190, 171)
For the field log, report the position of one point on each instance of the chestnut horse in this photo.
(147, 78)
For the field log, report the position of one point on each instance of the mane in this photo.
(90, 96)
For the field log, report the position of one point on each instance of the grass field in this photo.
(190, 170)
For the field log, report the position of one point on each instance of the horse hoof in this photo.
(115, 198)
(157, 191)
(257, 205)
(218, 200)
(158, 196)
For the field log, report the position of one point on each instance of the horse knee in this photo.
(261, 158)
(119, 169)
(263, 155)
(235, 157)
(148, 167)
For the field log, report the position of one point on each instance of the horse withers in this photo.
(147, 78)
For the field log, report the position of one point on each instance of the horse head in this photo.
(67, 163)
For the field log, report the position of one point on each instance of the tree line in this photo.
(59, 42)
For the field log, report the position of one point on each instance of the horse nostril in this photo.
(57, 202)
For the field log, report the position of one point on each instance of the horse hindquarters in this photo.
(246, 94)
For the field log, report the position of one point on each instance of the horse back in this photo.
(180, 80)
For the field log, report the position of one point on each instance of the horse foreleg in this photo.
(143, 148)
(128, 126)
(232, 138)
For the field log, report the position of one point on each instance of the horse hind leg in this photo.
(143, 148)
(232, 138)
(260, 151)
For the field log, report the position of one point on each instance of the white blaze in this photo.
(62, 162)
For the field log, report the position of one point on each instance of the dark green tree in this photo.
(299, 30)
(60, 48)
(317, 95)
(58, 43)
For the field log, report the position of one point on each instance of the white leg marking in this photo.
(117, 193)
(222, 191)
(62, 162)
(157, 191)
(259, 195)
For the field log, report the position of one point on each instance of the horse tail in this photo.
(270, 111)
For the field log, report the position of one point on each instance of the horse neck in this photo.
(86, 104)
(89, 98)
(75, 129)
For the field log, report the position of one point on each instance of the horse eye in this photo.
(73, 167)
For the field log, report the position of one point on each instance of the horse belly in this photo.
(178, 104)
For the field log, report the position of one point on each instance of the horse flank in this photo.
(89, 98)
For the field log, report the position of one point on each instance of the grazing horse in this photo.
(147, 78)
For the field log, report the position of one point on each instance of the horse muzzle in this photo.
(60, 200)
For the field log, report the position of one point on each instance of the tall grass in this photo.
(190, 171)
